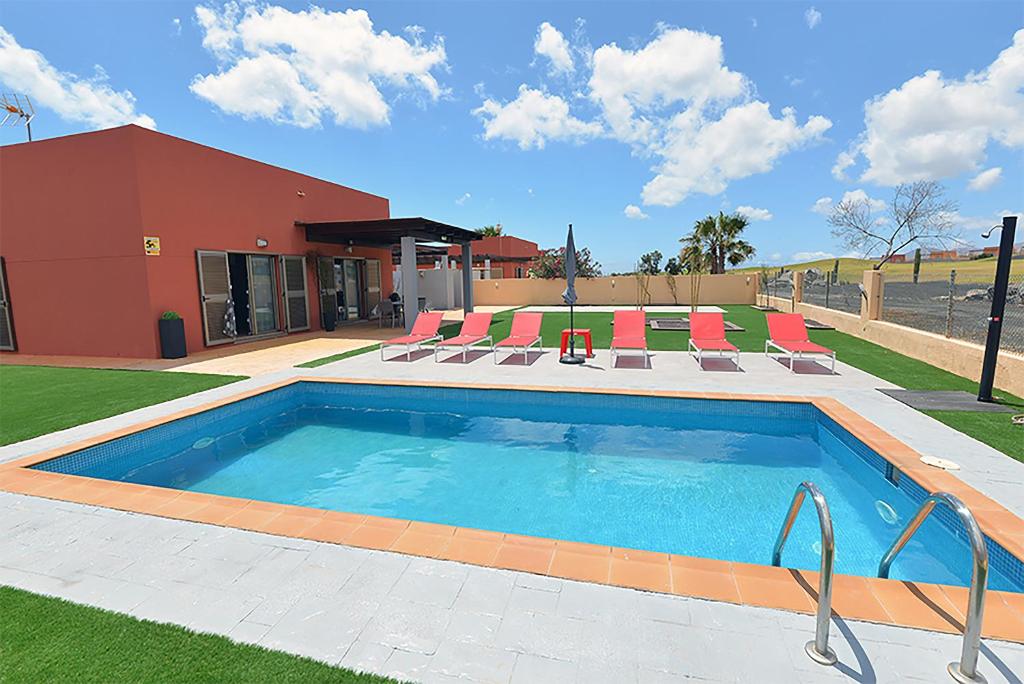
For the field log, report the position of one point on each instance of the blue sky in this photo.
(629, 120)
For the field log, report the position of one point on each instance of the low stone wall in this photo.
(955, 356)
(728, 288)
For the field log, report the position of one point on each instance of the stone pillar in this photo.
(467, 277)
(798, 287)
(410, 282)
(874, 292)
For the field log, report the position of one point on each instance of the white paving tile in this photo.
(429, 620)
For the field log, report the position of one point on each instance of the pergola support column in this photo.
(410, 282)
(467, 277)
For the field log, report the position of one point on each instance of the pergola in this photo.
(405, 232)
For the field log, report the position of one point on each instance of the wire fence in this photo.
(956, 305)
(825, 289)
(954, 302)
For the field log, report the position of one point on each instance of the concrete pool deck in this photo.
(704, 643)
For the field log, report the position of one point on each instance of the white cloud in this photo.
(811, 256)
(674, 101)
(794, 81)
(844, 161)
(823, 206)
(176, 26)
(462, 200)
(931, 127)
(678, 67)
(813, 17)
(986, 179)
(532, 119)
(704, 156)
(552, 44)
(634, 212)
(90, 101)
(754, 214)
(981, 223)
(298, 67)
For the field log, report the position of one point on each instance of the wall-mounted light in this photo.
(260, 242)
(300, 193)
(348, 249)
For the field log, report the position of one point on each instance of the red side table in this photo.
(577, 332)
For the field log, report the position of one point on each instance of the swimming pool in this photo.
(698, 477)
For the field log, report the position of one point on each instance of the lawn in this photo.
(37, 400)
(45, 639)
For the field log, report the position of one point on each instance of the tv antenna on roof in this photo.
(15, 111)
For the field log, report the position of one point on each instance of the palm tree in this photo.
(719, 238)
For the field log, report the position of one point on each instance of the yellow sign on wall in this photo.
(152, 245)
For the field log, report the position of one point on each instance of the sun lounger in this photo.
(474, 330)
(524, 334)
(707, 334)
(629, 331)
(788, 334)
(425, 329)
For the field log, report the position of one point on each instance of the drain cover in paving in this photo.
(945, 401)
(683, 324)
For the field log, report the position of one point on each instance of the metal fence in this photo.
(820, 289)
(832, 292)
(956, 306)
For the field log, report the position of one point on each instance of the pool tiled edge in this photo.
(925, 606)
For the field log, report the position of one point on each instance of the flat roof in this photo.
(385, 232)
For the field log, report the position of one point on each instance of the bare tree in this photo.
(918, 213)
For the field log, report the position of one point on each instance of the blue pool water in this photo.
(695, 477)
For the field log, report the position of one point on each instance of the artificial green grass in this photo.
(446, 331)
(44, 639)
(37, 400)
(338, 357)
(993, 429)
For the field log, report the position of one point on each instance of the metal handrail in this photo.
(967, 669)
(818, 649)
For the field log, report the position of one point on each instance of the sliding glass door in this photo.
(263, 294)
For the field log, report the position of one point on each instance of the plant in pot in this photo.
(172, 335)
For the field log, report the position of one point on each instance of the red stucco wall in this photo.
(74, 210)
(69, 217)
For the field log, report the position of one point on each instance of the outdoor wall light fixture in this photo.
(300, 193)
(260, 242)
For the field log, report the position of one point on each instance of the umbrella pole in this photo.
(571, 357)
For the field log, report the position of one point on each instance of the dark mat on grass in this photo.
(683, 324)
(934, 400)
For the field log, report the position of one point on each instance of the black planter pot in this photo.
(330, 321)
(172, 338)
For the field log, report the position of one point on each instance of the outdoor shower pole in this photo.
(995, 321)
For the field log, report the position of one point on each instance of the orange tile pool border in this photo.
(907, 604)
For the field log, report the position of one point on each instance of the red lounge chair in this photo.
(707, 333)
(788, 334)
(524, 334)
(423, 330)
(629, 331)
(474, 329)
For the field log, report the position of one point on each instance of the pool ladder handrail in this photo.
(967, 669)
(817, 649)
